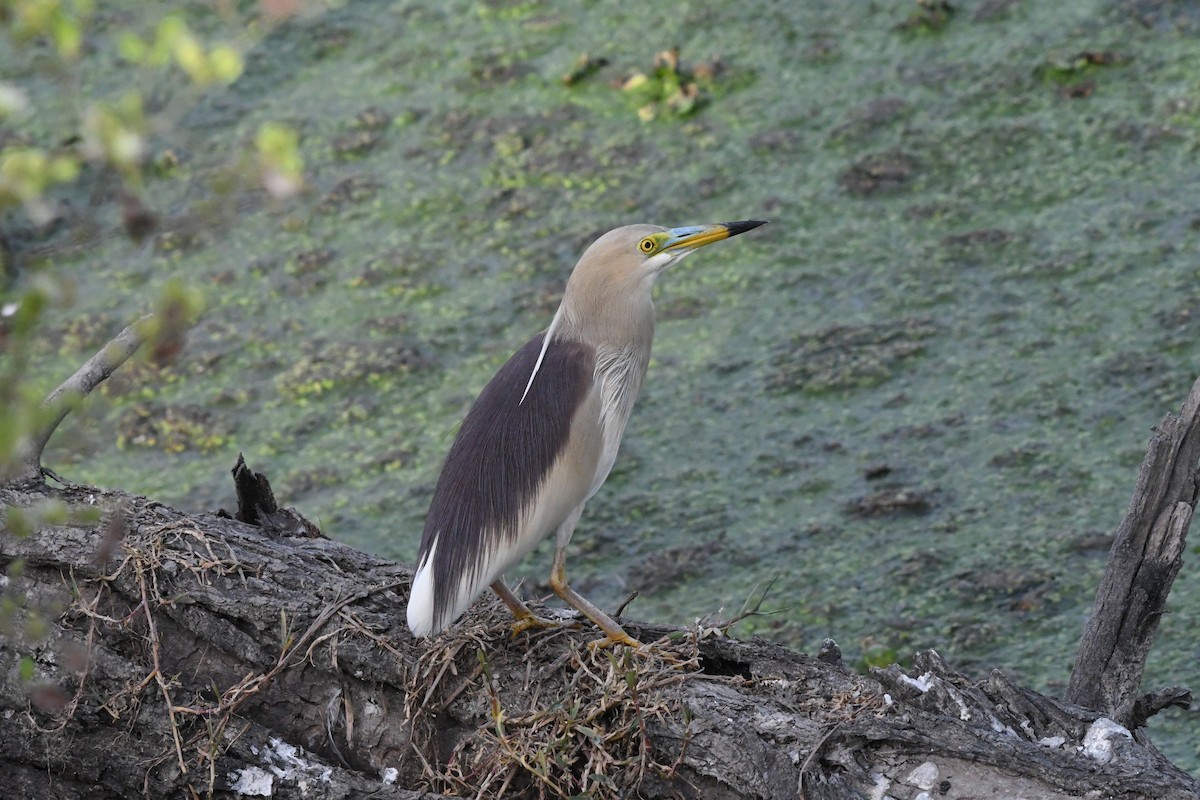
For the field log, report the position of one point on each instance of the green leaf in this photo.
(132, 47)
(68, 36)
(226, 63)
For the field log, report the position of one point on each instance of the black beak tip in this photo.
(735, 228)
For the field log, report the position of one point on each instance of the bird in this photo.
(543, 435)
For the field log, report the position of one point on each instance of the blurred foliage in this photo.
(110, 138)
(173, 42)
(27, 172)
(279, 158)
(63, 23)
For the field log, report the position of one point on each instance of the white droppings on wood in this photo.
(1097, 743)
(924, 776)
(251, 782)
(282, 761)
(289, 757)
(922, 684)
(964, 711)
(879, 790)
(390, 775)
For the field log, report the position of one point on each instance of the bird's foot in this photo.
(529, 622)
(617, 637)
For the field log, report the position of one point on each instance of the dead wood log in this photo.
(1147, 553)
(200, 658)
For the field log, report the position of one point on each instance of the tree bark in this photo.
(192, 656)
(1147, 553)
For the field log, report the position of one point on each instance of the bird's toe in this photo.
(525, 623)
(619, 637)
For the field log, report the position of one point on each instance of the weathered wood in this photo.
(256, 505)
(254, 495)
(1146, 555)
(232, 630)
(285, 661)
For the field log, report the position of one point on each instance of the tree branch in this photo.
(1146, 555)
(59, 403)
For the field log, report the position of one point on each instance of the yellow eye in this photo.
(647, 245)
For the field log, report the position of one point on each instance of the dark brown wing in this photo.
(500, 456)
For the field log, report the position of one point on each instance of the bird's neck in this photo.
(618, 328)
(607, 317)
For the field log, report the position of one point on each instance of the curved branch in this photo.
(59, 402)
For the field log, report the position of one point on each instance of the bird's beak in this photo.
(689, 238)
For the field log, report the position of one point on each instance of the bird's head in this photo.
(662, 247)
(609, 289)
(638, 253)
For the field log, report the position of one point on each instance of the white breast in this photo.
(619, 374)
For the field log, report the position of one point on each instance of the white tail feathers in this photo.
(424, 616)
(420, 599)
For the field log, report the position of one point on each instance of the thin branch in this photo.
(95, 371)
(158, 673)
(815, 755)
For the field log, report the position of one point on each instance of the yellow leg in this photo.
(525, 619)
(613, 634)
